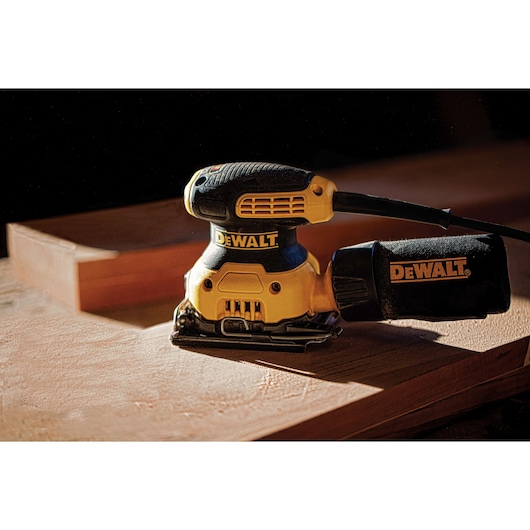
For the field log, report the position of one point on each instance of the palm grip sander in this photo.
(255, 286)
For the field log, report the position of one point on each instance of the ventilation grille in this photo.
(259, 206)
(249, 309)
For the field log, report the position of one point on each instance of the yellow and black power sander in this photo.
(256, 286)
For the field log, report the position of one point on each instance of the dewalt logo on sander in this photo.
(245, 241)
(429, 270)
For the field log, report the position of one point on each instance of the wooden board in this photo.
(108, 258)
(70, 375)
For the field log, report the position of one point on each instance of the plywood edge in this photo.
(48, 262)
(52, 272)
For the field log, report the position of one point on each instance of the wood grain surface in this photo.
(72, 375)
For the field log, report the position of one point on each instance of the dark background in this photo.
(66, 151)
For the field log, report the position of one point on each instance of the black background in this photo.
(66, 151)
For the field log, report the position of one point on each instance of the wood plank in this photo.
(135, 276)
(109, 258)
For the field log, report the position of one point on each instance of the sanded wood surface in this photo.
(71, 375)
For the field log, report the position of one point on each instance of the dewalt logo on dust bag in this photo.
(429, 270)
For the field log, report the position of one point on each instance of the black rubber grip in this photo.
(215, 190)
(261, 177)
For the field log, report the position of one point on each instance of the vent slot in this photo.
(248, 309)
(279, 206)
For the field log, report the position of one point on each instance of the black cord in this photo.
(383, 207)
(485, 226)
